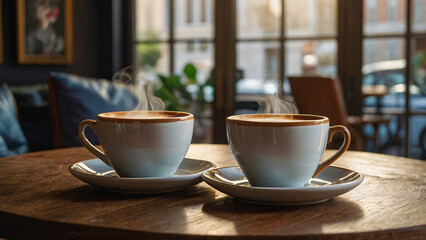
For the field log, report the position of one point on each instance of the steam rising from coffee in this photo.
(141, 85)
(273, 104)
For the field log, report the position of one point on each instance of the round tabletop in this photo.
(40, 199)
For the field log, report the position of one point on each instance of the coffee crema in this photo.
(277, 120)
(273, 120)
(145, 116)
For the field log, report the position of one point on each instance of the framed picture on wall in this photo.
(44, 31)
(1, 32)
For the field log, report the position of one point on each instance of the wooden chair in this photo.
(324, 96)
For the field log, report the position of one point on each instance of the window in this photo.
(203, 47)
(258, 43)
(392, 10)
(370, 51)
(295, 23)
(419, 18)
(269, 44)
(395, 49)
(272, 45)
(272, 63)
(167, 39)
(388, 18)
(395, 56)
(189, 11)
(190, 47)
(371, 10)
(203, 11)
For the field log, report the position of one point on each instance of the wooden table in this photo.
(40, 199)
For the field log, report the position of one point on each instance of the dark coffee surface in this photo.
(161, 116)
(277, 119)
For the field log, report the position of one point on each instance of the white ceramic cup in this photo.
(141, 143)
(282, 150)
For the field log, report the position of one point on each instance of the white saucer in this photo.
(333, 181)
(96, 172)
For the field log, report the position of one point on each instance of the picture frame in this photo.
(45, 32)
(1, 32)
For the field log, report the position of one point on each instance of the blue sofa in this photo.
(12, 138)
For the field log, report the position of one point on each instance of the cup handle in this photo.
(82, 136)
(342, 149)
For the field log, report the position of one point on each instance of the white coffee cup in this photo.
(141, 143)
(282, 150)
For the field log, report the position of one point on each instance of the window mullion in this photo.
(225, 66)
(407, 77)
(281, 74)
(349, 58)
(172, 35)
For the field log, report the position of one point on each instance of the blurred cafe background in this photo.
(216, 58)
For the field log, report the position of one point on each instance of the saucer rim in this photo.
(141, 186)
(166, 178)
(304, 188)
(282, 196)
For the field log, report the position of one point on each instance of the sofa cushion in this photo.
(12, 139)
(34, 115)
(79, 98)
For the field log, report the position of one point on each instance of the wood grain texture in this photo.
(40, 199)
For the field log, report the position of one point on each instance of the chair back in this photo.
(319, 96)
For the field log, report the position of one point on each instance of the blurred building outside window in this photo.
(386, 42)
(392, 10)
(189, 11)
(371, 10)
(272, 44)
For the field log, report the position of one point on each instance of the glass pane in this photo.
(259, 66)
(194, 19)
(197, 94)
(418, 80)
(384, 16)
(384, 66)
(152, 57)
(152, 21)
(258, 18)
(417, 147)
(200, 54)
(311, 57)
(383, 88)
(419, 16)
(418, 100)
(383, 49)
(310, 17)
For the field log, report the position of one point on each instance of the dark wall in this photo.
(92, 45)
(100, 48)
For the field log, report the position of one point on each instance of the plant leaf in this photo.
(163, 79)
(170, 101)
(174, 81)
(191, 73)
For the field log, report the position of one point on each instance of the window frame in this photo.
(349, 38)
(408, 36)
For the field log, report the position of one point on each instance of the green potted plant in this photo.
(180, 93)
